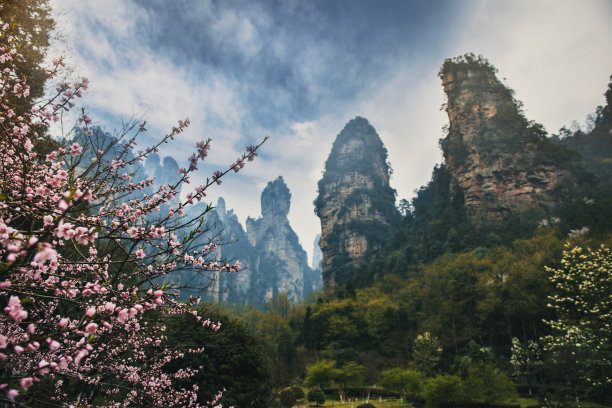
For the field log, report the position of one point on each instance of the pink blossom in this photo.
(45, 253)
(26, 382)
(15, 310)
(49, 189)
(91, 328)
(54, 345)
(122, 315)
(63, 322)
(12, 394)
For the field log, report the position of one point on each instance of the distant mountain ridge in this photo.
(274, 262)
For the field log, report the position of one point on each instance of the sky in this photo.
(298, 71)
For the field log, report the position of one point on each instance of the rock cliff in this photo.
(280, 260)
(502, 162)
(355, 203)
(269, 250)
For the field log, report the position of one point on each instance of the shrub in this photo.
(444, 390)
(316, 395)
(405, 381)
(485, 382)
(289, 396)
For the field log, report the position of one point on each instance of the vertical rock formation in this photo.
(269, 250)
(281, 261)
(502, 163)
(355, 203)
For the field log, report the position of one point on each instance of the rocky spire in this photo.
(497, 158)
(276, 200)
(356, 205)
(281, 262)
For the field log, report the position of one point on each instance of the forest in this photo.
(445, 312)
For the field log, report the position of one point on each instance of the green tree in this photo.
(289, 396)
(233, 359)
(427, 352)
(404, 381)
(443, 391)
(582, 333)
(487, 383)
(349, 375)
(316, 395)
(320, 374)
(31, 25)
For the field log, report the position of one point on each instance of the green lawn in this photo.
(393, 403)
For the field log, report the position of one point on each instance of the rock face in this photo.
(280, 260)
(269, 249)
(355, 203)
(496, 157)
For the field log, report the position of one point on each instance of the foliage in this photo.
(289, 396)
(404, 381)
(320, 374)
(487, 383)
(30, 24)
(81, 270)
(234, 359)
(427, 352)
(581, 332)
(443, 391)
(465, 61)
(316, 395)
(349, 375)
(526, 361)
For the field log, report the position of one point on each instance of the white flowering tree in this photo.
(582, 331)
(526, 361)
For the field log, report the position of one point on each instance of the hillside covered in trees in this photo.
(464, 292)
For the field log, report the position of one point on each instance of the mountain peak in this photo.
(276, 199)
(355, 203)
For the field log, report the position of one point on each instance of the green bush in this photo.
(401, 380)
(443, 391)
(487, 383)
(289, 396)
(316, 395)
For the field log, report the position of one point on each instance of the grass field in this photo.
(391, 403)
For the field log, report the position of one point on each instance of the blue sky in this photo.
(299, 70)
